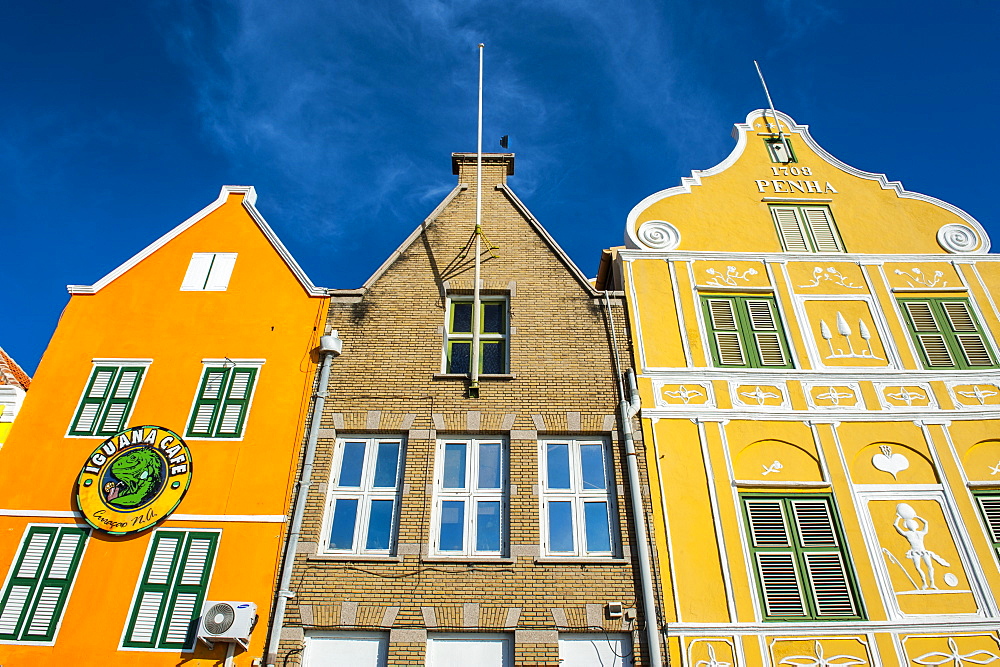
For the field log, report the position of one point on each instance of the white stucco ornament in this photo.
(659, 235)
(958, 238)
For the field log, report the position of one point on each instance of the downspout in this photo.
(329, 347)
(628, 406)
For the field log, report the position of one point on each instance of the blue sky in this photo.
(120, 120)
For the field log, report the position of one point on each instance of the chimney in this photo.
(496, 168)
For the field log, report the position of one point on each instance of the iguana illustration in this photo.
(138, 472)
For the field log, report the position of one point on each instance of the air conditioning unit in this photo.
(225, 621)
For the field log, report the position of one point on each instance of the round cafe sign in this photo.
(134, 479)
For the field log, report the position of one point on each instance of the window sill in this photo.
(355, 557)
(582, 560)
(492, 560)
(497, 377)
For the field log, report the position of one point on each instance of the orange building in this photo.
(150, 471)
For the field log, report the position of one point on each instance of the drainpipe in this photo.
(329, 347)
(628, 406)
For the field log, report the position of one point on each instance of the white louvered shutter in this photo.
(221, 271)
(789, 229)
(766, 334)
(145, 618)
(38, 589)
(197, 271)
(824, 232)
(728, 342)
(189, 590)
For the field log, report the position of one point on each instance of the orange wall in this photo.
(264, 314)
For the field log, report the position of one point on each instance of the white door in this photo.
(353, 649)
(463, 650)
(595, 650)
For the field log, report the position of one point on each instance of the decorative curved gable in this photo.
(731, 206)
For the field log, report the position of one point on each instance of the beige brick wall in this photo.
(384, 382)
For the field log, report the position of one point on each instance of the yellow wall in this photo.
(264, 314)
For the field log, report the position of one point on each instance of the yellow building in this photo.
(177, 383)
(817, 360)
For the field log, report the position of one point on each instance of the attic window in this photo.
(209, 272)
(780, 150)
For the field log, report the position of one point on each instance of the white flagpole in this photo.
(474, 385)
(774, 114)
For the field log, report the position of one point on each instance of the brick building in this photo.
(444, 529)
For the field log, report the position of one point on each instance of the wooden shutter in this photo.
(728, 343)
(768, 339)
(966, 332)
(824, 232)
(119, 403)
(172, 589)
(789, 230)
(38, 587)
(825, 570)
(777, 570)
(93, 400)
(926, 333)
(206, 408)
(237, 400)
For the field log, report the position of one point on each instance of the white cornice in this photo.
(249, 199)
(741, 131)
(817, 257)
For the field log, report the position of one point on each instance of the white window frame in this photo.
(315, 637)
(364, 494)
(809, 241)
(451, 337)
(579, 497)
(209, 272)
(117, 363)
(471, 495)
(206, 364)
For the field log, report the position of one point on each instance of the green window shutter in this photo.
(800, 562)
(173, 588)
(990, 506)
(767, 335)
(107, 401)
(824, 233)
(38, 586)
(234, 408)
(947, 333)
(119, 401)
(786, 219)
(728, 348)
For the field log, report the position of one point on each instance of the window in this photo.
(39, 582)
(471, 497)
(780, 150)
(462, 650)
(745, 332)
(107, 401)
(989, 504)
(171, 590)
(492, 335)
(209, 272)
(223, 401)
(600, 649)
(364, 496)
(800, 559)
(947, 333)
(358, 649)
(577, 504)
(806, 228)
